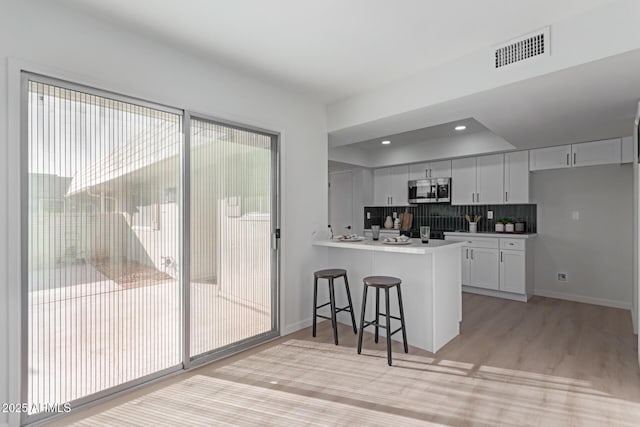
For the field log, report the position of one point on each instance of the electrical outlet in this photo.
(489, 214)
(395, 215)
(368, 215)
(563, 277)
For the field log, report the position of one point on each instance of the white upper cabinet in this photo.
(419, 171)
(490, 180)
(477, 180)
(463, 181)
(627, 149)
(399, 185)
(381, 186)
(440, 169)
(516, 177)
(390, 186)
(550, 158)
(593, 153)
(605, 152)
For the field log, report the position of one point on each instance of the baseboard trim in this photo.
(295, 327)
(496, 294)
(587, 300)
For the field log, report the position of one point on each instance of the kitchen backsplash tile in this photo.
(451, 218)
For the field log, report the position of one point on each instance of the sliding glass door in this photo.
(233, 216)
(145, 247)
(103, 243)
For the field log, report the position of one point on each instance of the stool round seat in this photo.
(331, 273)
(382, 281)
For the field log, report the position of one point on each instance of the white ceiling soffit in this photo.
(331, 49)
(444, 130)
(592, 101)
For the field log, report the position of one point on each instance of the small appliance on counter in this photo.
(436, 190)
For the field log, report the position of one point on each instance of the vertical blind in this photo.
(104, 300)
(103, 283)
(231, 224)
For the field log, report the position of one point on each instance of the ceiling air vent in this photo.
(529, 46)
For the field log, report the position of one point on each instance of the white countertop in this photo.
(488, 234)
(415, 247)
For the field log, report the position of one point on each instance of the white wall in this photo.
(51, 39)
(596, 249)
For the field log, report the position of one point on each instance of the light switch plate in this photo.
(368, 215)
(575, 215)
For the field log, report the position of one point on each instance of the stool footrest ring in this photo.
(373, 323)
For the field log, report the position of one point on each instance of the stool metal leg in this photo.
(353, 317)
(362, 311)
(315, 303)
(404, 330)
(334, 322)
(386, 295)
(377, 313)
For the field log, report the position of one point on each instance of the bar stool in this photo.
(331, 275)
(386, 283)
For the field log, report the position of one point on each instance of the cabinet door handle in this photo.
(506, 196)
(575, 158)
(477, 197)
(567, 159)
(471, 253)
(467, 253)
(426, 173)
(473, 197)
(501, 256)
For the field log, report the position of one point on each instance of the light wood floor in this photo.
(544, 363)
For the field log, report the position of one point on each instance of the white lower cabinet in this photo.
(513, 271)
(496, 266)
(466, 267)
(484, 268)
(480, 263)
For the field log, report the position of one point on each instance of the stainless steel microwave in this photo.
(433, 190)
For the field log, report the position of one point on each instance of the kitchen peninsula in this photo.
(431, 284)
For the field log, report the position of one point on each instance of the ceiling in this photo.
(331, 49)
(592, 101)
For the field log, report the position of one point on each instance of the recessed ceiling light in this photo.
(461, 127)
(386, 142)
